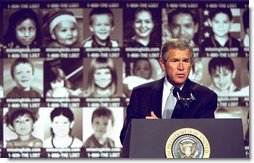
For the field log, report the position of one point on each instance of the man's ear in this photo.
(162, 64)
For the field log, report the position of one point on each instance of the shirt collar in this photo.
(169, 85)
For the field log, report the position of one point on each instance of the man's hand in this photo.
(152, 116)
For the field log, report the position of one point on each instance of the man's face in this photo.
(183, 27)
(177, 66)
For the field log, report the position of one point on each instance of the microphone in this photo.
(185, 99)
(176, 93)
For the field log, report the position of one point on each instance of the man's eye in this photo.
(174, 60)
(187, 60)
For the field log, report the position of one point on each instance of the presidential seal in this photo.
(187, 143)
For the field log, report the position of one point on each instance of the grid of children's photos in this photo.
(68, 68)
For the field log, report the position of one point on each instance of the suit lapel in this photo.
(156, 97)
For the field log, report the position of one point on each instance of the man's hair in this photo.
(19, 61)
(101, 11)
(221, 62)
(174, 44)
(175, 12)
(103, 111)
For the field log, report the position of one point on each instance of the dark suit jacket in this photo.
(148, 97)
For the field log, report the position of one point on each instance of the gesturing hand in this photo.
(152, 116)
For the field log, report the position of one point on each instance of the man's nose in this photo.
(180, 65)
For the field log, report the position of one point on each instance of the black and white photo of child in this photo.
(61, 28)
(140, 71)
(64, 78)
(62, 127)
(102, 126)
(102, 77)
(103, 28)
(21, 128)
(23, 78)
(140, 27)
(23, 29)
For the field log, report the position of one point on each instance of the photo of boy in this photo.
(221, 23)
(222, 72)
(101, 24)
(62, 27)
(183, 24)
(102, 118)
(22, 72)
(102, 126)
(21, 122)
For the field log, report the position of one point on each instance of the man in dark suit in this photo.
(149, 100)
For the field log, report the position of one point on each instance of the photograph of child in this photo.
(105, 28)
(222, 30)
(184, 24)
(23, 78)
(102, 77)
(23, 29)
(226, 75)
(140, 71)
(64, 78)
(21, 128)
(102, 126)
(61, 28)
(62, 127)
(140, 27)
